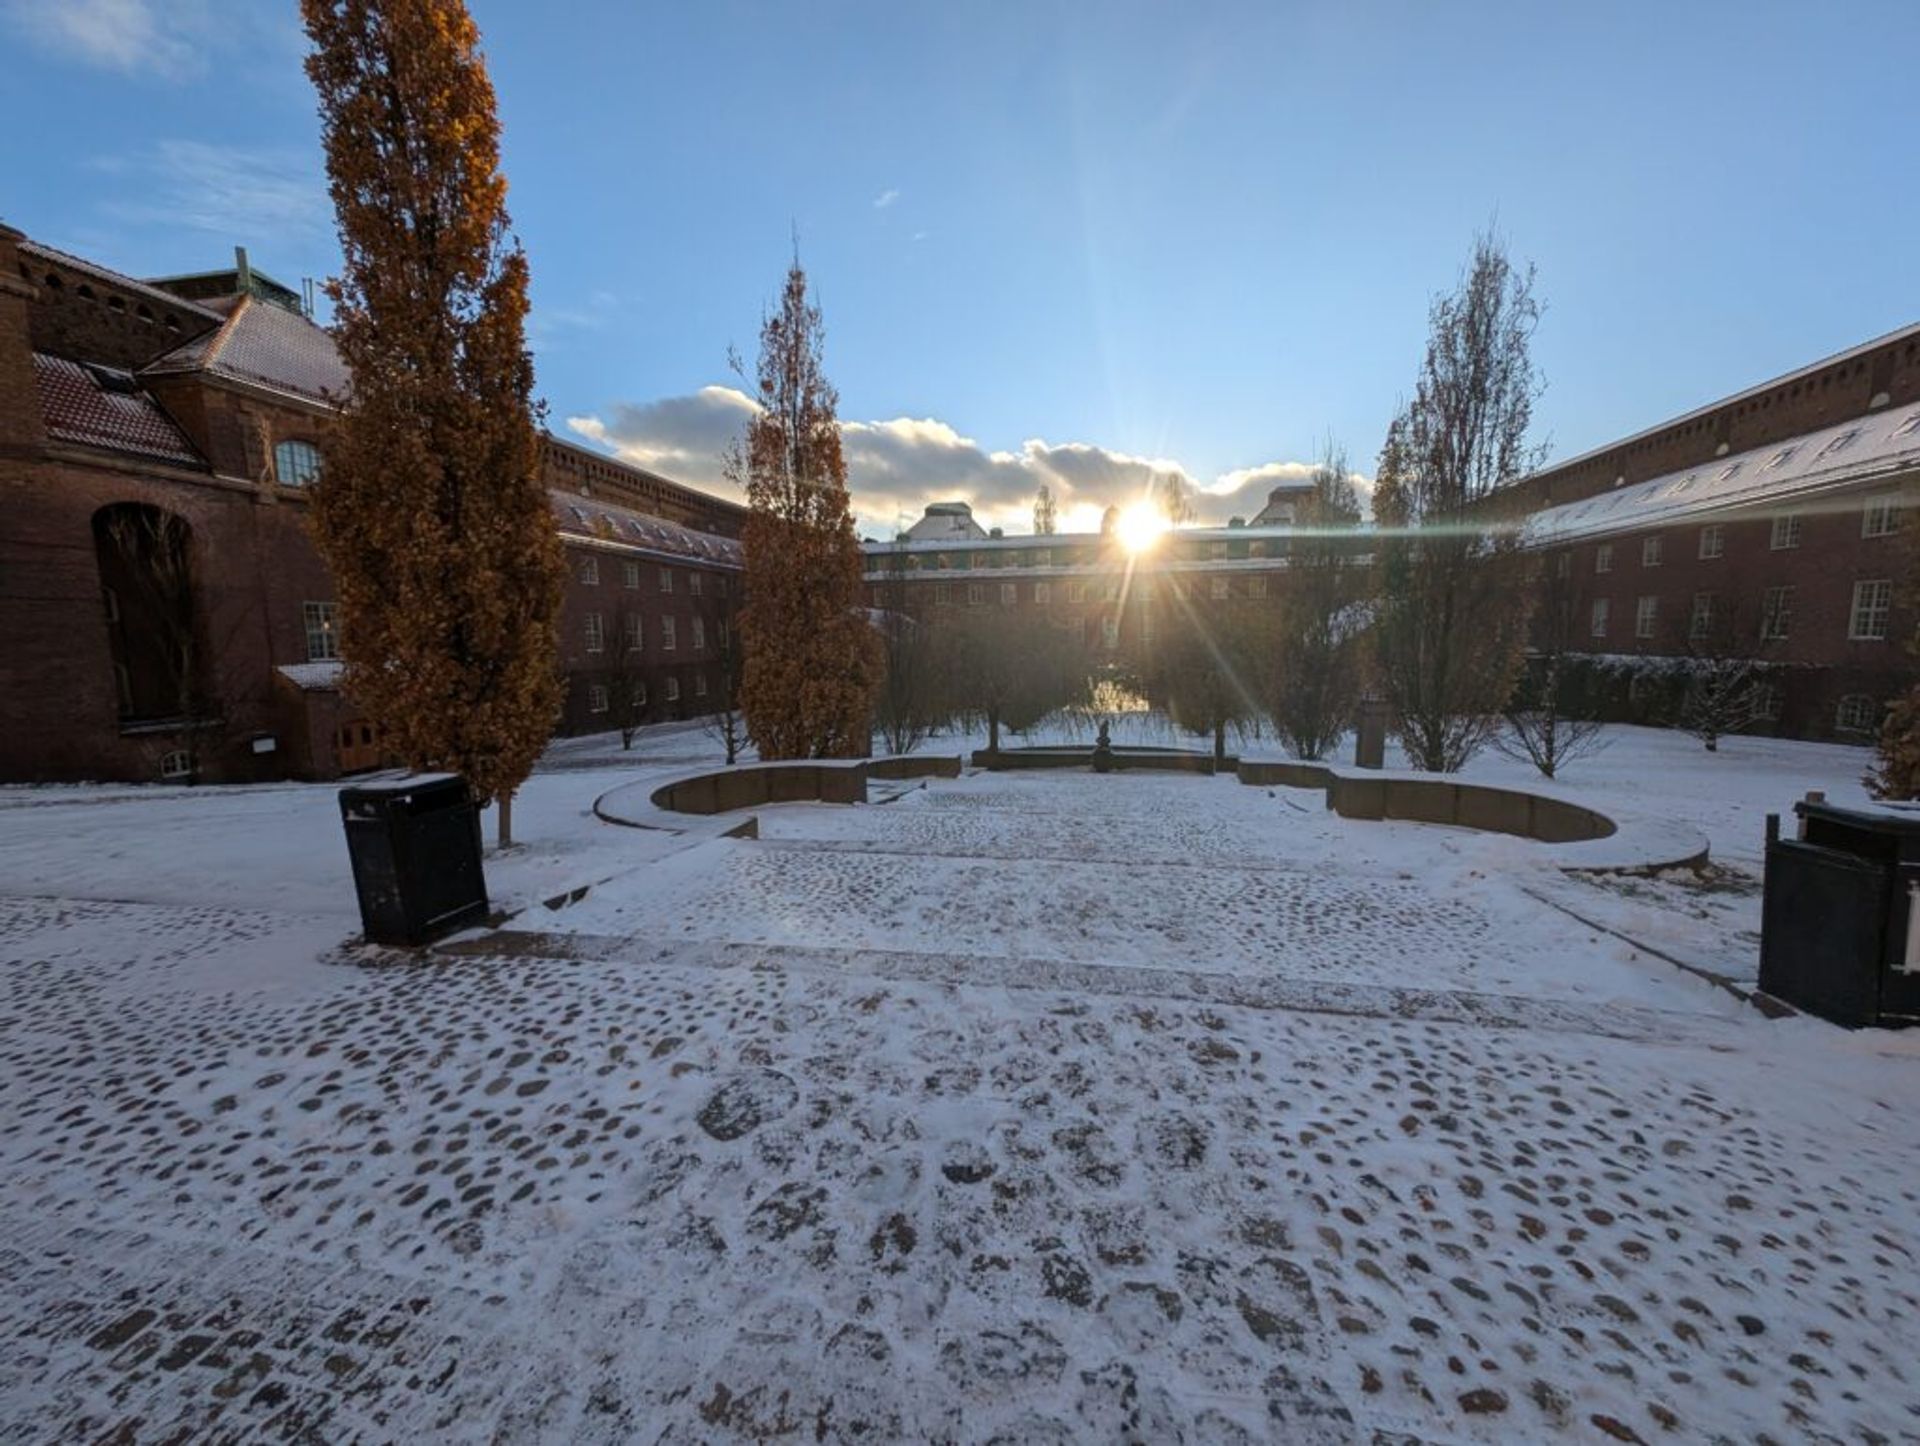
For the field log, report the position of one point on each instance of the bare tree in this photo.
(1728, 684)
(625, 677)
(1173, 497)
(1542, 727)
(1203, 667)
(1005, 670)
(908, 707)
(726, 724)
(1451, 622)
(1313, 677)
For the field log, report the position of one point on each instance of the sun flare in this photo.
(1140, 526)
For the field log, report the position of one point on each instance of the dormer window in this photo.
(296, 464)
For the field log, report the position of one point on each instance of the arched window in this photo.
(296, 464)
(145, 557)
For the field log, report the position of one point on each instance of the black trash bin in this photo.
(1840, 925)
(415, 845)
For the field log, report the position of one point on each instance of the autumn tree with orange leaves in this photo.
(429, 511)
(812, 662)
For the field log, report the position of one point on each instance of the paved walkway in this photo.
(1004, 1111)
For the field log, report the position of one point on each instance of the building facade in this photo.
(1772, 528)
(164, 610)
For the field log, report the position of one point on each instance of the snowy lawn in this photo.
(1030, 1107)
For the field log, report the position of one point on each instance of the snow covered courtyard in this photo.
(1018, 1107)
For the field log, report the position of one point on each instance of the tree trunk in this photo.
(505, 805)
(993, 732)
(1219, 743)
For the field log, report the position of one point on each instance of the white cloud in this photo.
(129, 36)
(896, 467)
(170, 40)
(238, 193)
(885, 199)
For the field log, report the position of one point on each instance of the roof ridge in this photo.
(119, 278)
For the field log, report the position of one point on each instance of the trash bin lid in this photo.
(1898, 820)
(402, 788)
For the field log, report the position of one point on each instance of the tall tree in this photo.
(1451, 625)
(1045, 519)
(1204, 665)
(1174, 499)
(429, 512)
(1313, 677)
(911, 698)
(1006, 670)
(811, 661)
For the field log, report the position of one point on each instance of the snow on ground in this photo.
(1029, 1107)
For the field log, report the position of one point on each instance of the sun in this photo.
(1140, 526)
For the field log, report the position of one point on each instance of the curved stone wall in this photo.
(675, 802)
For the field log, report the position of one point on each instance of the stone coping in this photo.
(694, 803)
(1126, 757)
(1577, 835)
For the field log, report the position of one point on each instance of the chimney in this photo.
(242, 273)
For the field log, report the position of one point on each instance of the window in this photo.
(1111, 589)
(1042, 593)
(1043, 557)
(177, 764)
(633, 633)
(1712, 541)
(296, 464)
(630, 574)
(1776, 613)
(699, 633)
(590, 571)
(699, 685)
(1701, 622)
(1856, 714)
(976, 594)
(1256, 587)
(666, 579)
(1563, 564)
(694, 581)
(596, 633)
(1767, 701)
(1786, 531)
(720, 587)
(596, 698)
(1646, 616)
(941, 594)
(1650, 551)
(1872, 601)
(1601, 607)
(667, 641)
(1076, 592)
(1880, 518)
(1110, 632)
(1009, 594)
(1603, 557)
(723, 632)
(638, 694)
(980, 561)
(673, 690)
(1217, 551)
(1222, 587)
(322, 643)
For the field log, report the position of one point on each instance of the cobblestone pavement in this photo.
(721, 1187)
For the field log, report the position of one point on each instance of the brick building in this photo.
(164, 611)
(1770, 526)
(1090, 584)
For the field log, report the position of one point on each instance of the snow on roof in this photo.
(323, 677)
(101, 407)
(603, 522)
(1865, 448)
(266, 345)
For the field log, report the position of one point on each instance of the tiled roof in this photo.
(69, 262)
(266, 345)
(1884, 445)
(590, 517)
(101, 407)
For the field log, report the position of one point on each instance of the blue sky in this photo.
(1062, 242)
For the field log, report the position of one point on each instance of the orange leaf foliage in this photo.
(812, 661)
(429, 510)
